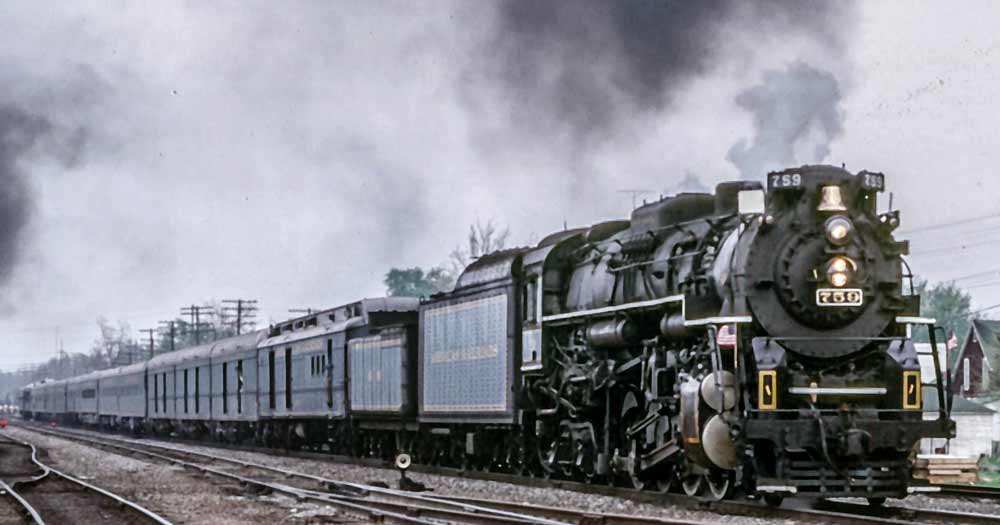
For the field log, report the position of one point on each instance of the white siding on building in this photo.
(927, 362)
(972, 439)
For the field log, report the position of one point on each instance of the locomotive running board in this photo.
(649, 304)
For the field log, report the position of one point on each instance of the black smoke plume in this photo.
(796, 115)
(593, 64)
(26, 137)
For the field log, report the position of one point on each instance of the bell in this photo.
(832, 200)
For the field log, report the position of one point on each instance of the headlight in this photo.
(839, 271)
(839, 229)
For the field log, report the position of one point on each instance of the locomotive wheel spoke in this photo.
(664, 486)
(637, 482)
(693, 484)
(719, 485)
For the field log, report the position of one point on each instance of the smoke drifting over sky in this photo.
(26, 138)
(591, 65)
(294, 152)
(796, 115)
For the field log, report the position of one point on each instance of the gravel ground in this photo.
(10, 512)
(176, 494)
(979, 506)
(479, 489)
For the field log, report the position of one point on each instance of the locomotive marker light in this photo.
(751, 202)
(911, 389)
(839, 229)
(767, 389)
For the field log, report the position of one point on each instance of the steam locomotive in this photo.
(749, 339)
(755, 337)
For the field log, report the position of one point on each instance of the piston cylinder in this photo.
(672, 325)
(613, 333)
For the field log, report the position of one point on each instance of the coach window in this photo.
(239, 386)
(329, 373)
(164, 376)
(270, 381)
(156, 393)
(185, 391)
(225, 388)
(288, 378)
(197, 389)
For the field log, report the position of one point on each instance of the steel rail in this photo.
(428, 506)
(975, 491)
(913, 513)
(32, 513)
(48, 471)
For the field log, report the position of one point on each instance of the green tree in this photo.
(414, 282)
(949, 304)
(417, 282)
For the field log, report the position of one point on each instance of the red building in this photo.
(973, 364)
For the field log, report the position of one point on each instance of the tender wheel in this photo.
(720, 485)
(773, 500)
(693, 485)
(876, 502)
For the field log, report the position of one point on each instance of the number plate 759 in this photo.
(840, 297)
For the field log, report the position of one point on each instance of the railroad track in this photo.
(971, 491)
(34, 492)
(366, 501)
(826, 512)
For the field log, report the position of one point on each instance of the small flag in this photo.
(953, 342)
(727, 336)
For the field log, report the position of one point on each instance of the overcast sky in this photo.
(168, 153)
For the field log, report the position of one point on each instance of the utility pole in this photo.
(245, 309)
(168, 330)
(196, 312)
(152, 348)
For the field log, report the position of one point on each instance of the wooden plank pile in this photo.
(941, 468)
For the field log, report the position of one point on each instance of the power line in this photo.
(955, 248)
(941, 226)
(988, 308)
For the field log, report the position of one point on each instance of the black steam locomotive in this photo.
(750, 338)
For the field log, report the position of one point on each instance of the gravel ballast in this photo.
(472, 488)
(179, 495)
